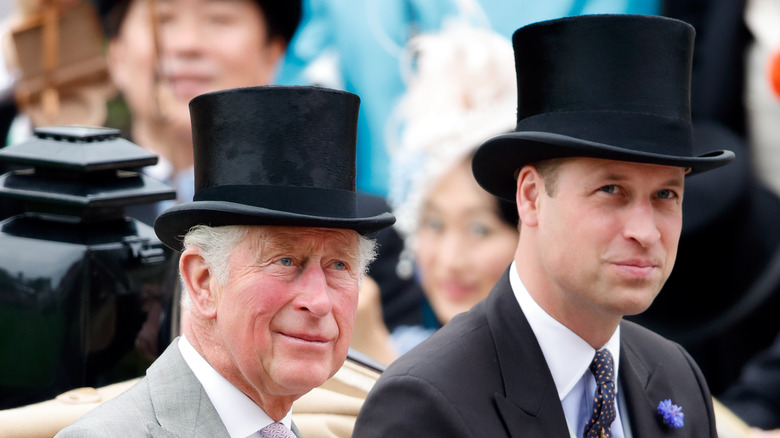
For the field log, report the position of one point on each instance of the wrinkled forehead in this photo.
(323, 240)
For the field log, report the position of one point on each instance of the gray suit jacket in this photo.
(168, 402)
(484, 375)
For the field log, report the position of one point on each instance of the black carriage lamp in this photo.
(87, 294)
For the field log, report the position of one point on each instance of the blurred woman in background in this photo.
(459, 238)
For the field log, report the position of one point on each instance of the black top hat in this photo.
(601, 86)
(272, 155)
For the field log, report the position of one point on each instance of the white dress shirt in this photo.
(241, 416)
(568, 357)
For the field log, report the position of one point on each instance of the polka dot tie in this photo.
(276, 430)
(604, 398)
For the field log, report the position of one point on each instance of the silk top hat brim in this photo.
(272, 156)
(601, 86)
(712, 196)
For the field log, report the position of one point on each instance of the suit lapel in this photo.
(529, 405)
(643, 390)
(175, 392)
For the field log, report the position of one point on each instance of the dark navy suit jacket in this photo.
(484, 375)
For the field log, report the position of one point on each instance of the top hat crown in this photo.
(272, 155)
(602, 86)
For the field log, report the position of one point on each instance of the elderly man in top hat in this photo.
(272, 255)
(162, 53)
(596, 165)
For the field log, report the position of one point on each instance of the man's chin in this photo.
(301, 380)
(637, 305)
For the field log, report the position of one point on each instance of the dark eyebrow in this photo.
(676, 182)
(614, 177)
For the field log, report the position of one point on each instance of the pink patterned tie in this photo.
(276, 430)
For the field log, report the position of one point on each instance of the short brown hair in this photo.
(548, 169)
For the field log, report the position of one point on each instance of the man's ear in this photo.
(197, 278)
(529, 189)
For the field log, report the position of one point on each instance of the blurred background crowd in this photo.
(435, 79)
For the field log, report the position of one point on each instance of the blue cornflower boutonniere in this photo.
(672, 414)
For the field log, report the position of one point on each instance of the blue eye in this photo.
(286, 261)
(340, 266)
(609, 189)
(666, 194)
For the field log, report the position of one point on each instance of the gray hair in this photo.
(217, 243)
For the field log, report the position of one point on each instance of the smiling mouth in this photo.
(636, 269)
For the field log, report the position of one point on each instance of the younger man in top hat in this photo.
(597, 166)
(273, 251)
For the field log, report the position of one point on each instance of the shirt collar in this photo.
(241, 416)
(567, 355)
